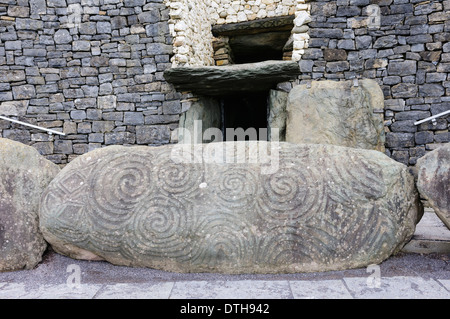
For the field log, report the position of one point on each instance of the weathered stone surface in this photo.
(300, 208)
(434, 181)
(336, 113)
(231, 79)
(24, 176)
(277, 115)
(249, 27)
(201, 116)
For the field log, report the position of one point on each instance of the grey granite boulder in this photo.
(24, 175)
(434, 181)
(233, 207)
(337, 113)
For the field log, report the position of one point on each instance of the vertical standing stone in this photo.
(337, 113)
(277, 114)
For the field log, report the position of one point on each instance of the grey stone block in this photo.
(6, 96)
(422, 138)
(18, 11)
(152, 16)
(363, 42)
(104, 27)
(88, 28)
(24, 92)
(431, 90)
(81, 45)
(107, 102)
(398, 140)
(402, 68)
(406, 126)
(78, 115)
(13, 45)
(152, 134)
(339, 66)
(386, 42)
(63, 147)
(171, 107)
(133, 118)
(119, 138)
(158, 49)
(62, 36)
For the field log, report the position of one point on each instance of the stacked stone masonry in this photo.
(191, 23)
(402, 44)
(93, 69)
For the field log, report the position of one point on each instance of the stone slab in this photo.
(282, 23)
(337, 113)
(431, 236)
(155, 290)
(400, 287)
(232, 79)
(243, 289)
(307, 208)
(60, 291)
(320, 289)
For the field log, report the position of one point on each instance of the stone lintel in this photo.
(255, 26)
(223, 80)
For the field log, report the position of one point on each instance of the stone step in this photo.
(431, 236)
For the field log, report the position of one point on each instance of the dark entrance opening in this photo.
(257, 40)
(247, 111)
(259, 47)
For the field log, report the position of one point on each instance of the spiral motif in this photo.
(160, 228)
(223, 239)
(276, 247)
(289, 195)
(177, 179)
(234, 187)
(117, 187)
(285, 245)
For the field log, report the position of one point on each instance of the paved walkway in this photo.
(410, 276)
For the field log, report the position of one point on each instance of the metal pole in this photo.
(32, 126)
(432, 117)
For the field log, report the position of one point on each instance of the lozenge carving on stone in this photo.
(319, 207)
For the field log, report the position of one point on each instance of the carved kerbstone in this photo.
(227, 208)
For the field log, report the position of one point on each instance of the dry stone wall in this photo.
(94, 68)
(404, 46)
(190, 24)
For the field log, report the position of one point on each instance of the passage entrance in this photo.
(247, 111)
